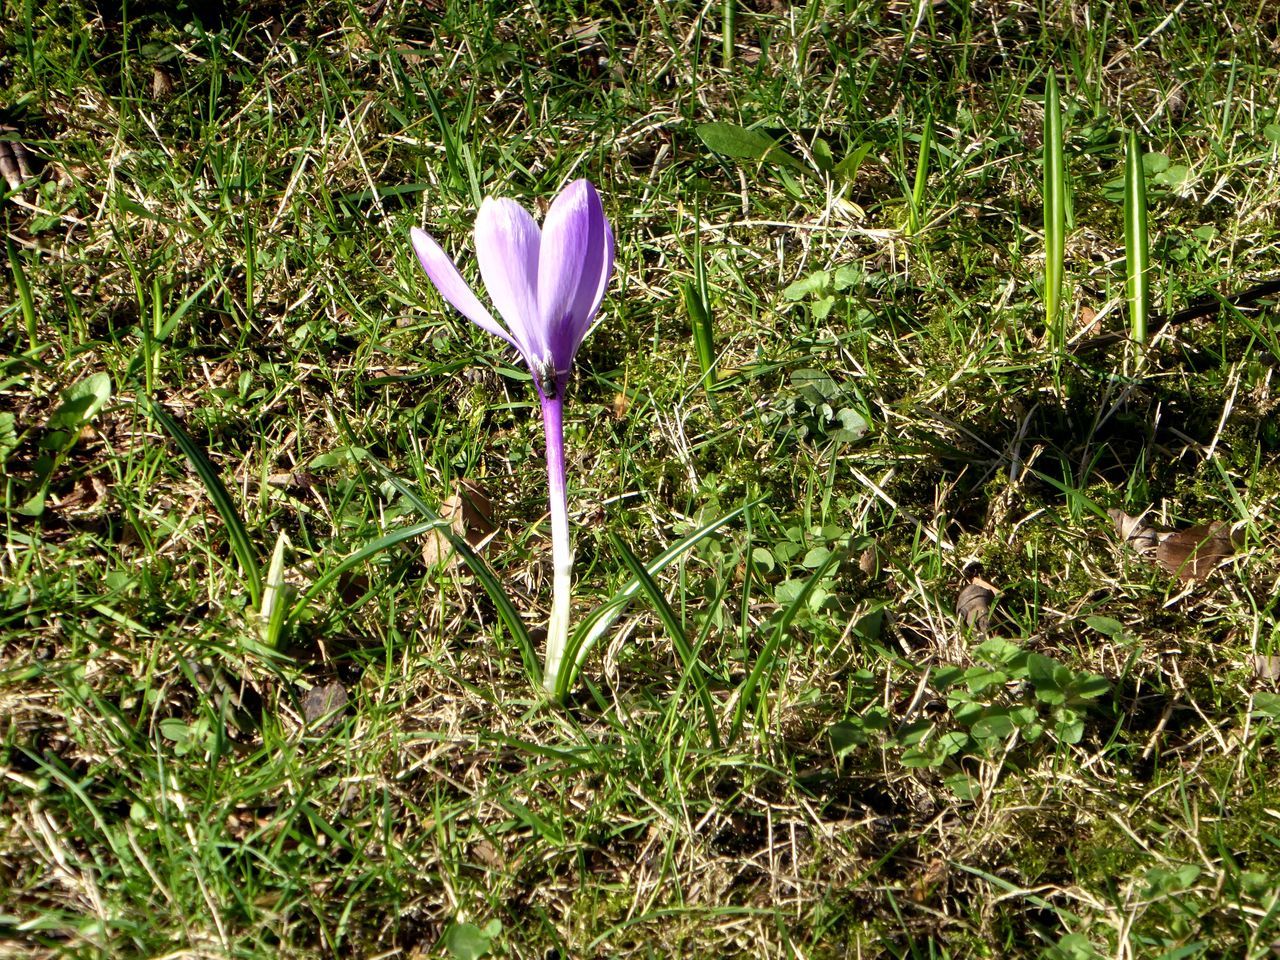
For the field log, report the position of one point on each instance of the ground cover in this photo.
(955, 682)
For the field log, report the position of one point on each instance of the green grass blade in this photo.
(1055, 215)
(700, 322)
(688, 655)
(768, 656)
(460, 167)
(1136, 247)
(25, 299)
(507, 612)
(241, 545)
(728, 26)
(598, 622)
(274, 596)
(922, 178)
(697, 304)
(365, 553)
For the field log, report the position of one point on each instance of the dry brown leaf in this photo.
(1266, 667)
(871, 561)
(1194, 553)
(162, 84)
(973, 605)
(87, 495)
(926, 883)
(323, 705)
(1139, 535)
(15, 161)
(469, 513)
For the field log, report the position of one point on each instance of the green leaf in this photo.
(731, 140)
(814, 283)
(693, 668)
(814, 385)
(946, 675)
(172, 728)
(846, 735)
(1051, 679)
(1136, 247)
(979, 678)
(274, 596)
(1090, 686)
(1074, 946)
(700, 322)
(8, 436)
(996, 724)
(998, 650)
(1175, 175)
(466, 941)
(815, 558)
(241, 545)
(25, 300)
(848, 276)
(80, 404)
(1154, 163)
(853, 426)
(847, 169)
(1267, 704)
(963, 786)
(915, 200)
(765, 661)
(597, 623)
(1055, 212)
(507, 612)
(1106, 626)
(869, 626)
(927, 755)
(822, 155)
(952, 742)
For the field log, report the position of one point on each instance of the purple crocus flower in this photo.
(547, 286)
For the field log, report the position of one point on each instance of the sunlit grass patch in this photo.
(908, 692)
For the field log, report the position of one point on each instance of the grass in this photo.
(788, 745)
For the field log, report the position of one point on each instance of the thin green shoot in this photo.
(241, 545)
(1055, 216)
(250, 271)
(457, 156)
(693, 669)
(1136, 248)
(915, 202)
(768, 657)
(697, 302)
(597, 623)
(728, 27)
(507, 612)
(25, 300)
(274, 596)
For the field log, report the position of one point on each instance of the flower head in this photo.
(546, 284)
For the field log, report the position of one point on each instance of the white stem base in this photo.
(558, 626)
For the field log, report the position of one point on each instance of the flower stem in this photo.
(561, 551)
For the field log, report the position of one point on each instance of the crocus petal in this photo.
(566, 248)
(451, 285)
(596, 271)
(507, 243)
